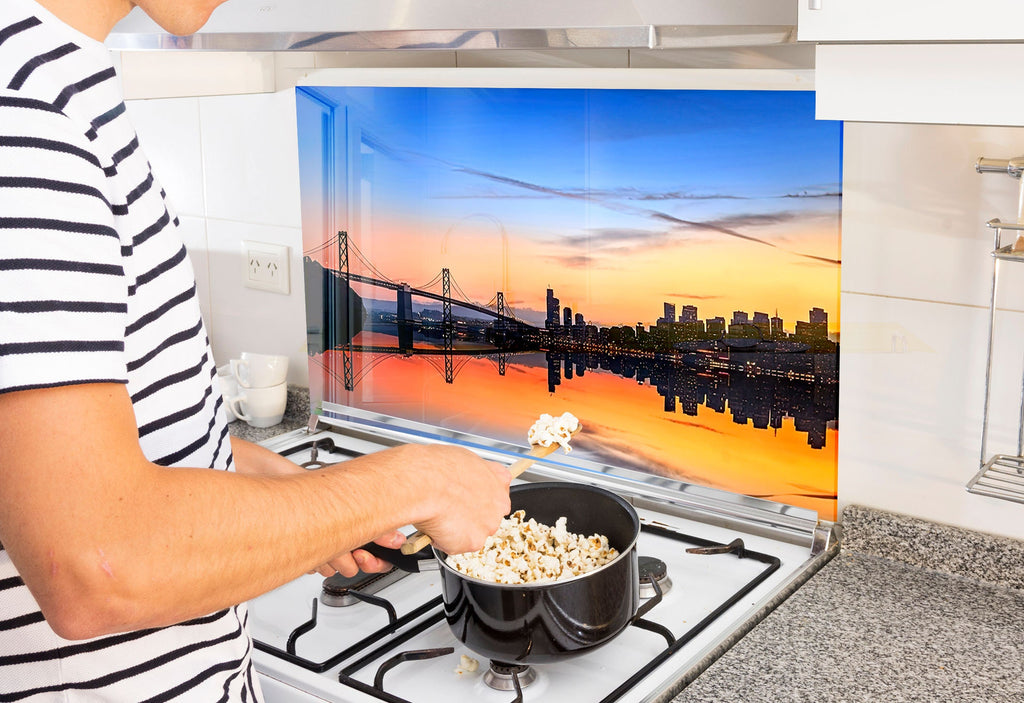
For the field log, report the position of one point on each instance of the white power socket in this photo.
(265, 266)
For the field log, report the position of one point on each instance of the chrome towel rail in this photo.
(1001, 475)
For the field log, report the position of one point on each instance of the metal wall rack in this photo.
(1001, 475)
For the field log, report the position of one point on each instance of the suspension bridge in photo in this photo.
(760, 379)
(340, 318)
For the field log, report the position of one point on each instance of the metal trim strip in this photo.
(626, 37)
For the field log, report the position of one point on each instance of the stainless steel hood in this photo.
(368, 25)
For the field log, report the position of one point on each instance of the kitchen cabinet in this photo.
(922, 83)
(922, 62)
(923, 20)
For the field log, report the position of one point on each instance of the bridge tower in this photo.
(447, 325)
(346, 348)
(405, 320)
(499, 327)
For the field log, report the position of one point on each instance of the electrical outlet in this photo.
(265, 266)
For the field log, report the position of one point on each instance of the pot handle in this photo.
(414, 563)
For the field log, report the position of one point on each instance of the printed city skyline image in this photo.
(662, 264)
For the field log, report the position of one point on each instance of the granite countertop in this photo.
(909, 610)
(296, 415)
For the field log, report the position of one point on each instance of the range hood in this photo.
(359, 25)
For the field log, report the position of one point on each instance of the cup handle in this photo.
(235, 403)
(240, 370)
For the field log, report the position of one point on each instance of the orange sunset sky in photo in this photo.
(613, 286)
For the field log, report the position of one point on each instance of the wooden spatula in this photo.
(418, 540)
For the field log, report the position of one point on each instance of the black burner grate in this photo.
(385, 642)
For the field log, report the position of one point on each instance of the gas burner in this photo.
(653, 568)
(321, 444)
(501, 676)
(340, 591)
(315, 463)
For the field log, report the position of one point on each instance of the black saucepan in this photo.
(542, 622)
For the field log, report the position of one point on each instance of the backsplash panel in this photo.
(661, 263)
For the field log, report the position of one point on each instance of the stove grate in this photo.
(373, 638)
(411, 655)
(674, 644)
(771, 563)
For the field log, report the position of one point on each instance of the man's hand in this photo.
(467, 495)
(351, 563)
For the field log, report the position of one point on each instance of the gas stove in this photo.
(713, 564)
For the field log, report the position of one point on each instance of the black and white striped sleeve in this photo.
(63, 292)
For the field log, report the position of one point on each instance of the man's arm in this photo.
(107, 541)
(253, 459)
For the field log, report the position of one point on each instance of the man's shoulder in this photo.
(28, 115)
(27, 123)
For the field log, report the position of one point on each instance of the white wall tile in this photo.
(914, 210)
(294, 59)
(433, 58)
(168, 74)
(552, 77)
(290, 67)
(245, 319)
(549, 58)
(778, 56)
(910, 410)
(1006, 373)
(169, 132)
(250, 158)
(193, 233)
(293, 67)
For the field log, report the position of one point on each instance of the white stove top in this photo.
(776, 558)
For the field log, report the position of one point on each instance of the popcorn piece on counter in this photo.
(467, 665)
(525, 551)
(550, 430)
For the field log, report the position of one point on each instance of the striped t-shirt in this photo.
(95, 286)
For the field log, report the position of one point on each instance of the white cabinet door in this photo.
(963, 83)
(910, 20)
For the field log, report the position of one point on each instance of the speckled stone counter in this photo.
(908, 611)
(296, 414)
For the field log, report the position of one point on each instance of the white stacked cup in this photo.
(228, 388)
(262, 391)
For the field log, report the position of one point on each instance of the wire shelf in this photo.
(1007, 253)
(1001, 477)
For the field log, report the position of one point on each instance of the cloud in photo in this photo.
(729, 227)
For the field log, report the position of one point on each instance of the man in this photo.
(124, 556)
